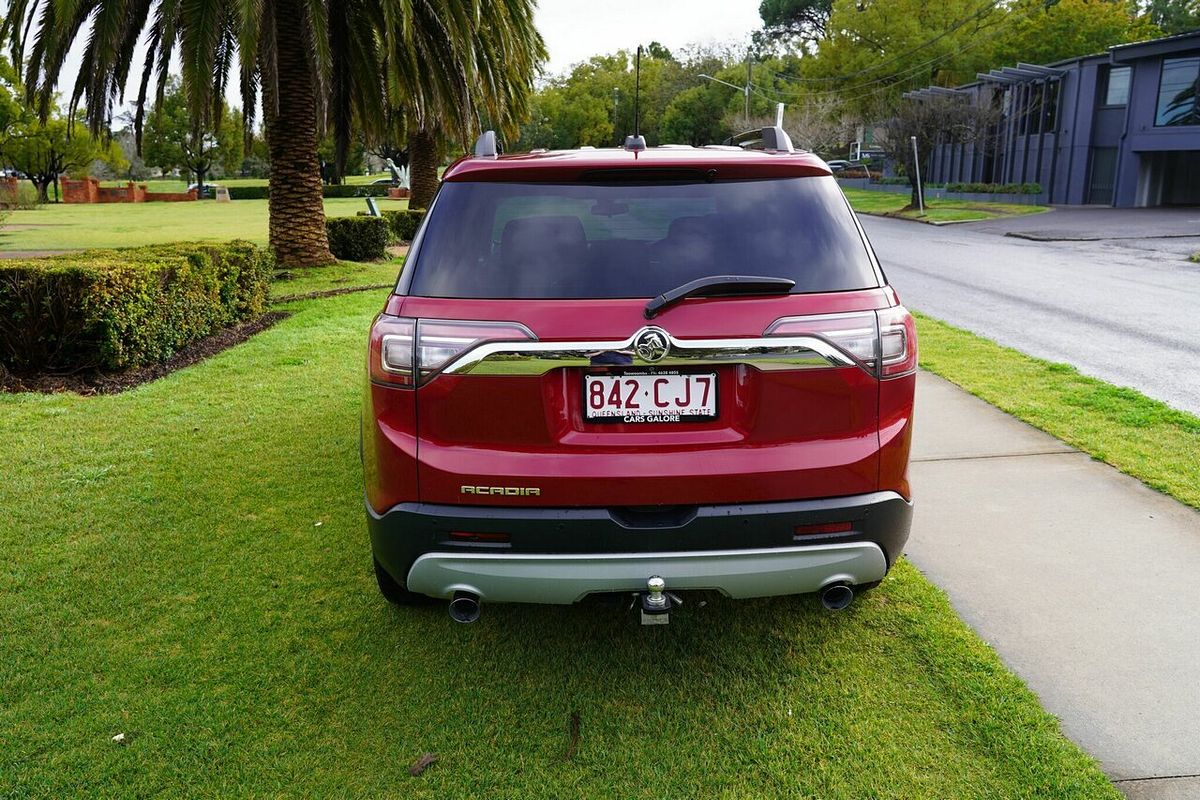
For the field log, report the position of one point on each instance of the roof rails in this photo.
(774, 138)
(486, 146)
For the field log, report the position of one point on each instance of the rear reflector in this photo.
(471, 536)
(824, 527)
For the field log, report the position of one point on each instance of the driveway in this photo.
(1120, 309)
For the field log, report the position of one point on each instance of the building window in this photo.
(1177, 92)
(1116, 92)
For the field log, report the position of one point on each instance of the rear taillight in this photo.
(408, 352)
(391, 350)
(884, 342)
(897, 342)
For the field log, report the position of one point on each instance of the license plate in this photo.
(654, 397)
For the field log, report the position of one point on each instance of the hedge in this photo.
(358, 238)
(404, 224)
(114, 309)
(249, 192)
(995, 188)
(348, 190)
(344, 190)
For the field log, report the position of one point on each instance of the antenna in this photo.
(636, 141)
(637, 93)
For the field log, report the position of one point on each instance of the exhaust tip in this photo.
(464, 607)
(837, 596)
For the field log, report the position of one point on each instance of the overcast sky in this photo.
(577, 29)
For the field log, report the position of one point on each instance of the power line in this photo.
(895, 78)
(979, 13)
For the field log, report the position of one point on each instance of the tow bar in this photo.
(657, 602)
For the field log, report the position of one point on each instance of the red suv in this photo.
(638, 370)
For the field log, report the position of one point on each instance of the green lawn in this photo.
(1141, 437)
(74, 226)
(187, 564)
(890, 204)
(293, 284)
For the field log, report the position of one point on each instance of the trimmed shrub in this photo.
(345, 190)
(404, 224)
(249, 192)
(113, 309)
(995, 188)
(358, 238)
(349, 190)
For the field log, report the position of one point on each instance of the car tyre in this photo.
(393, 591)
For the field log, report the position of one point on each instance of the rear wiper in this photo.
(719, 284)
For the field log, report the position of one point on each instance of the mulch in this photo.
(94, 381)
(288, 298)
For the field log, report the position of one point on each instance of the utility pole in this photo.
(749, 83)
(917, 174)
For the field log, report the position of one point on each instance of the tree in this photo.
(278, 46)
(1041, 34)
(447, 63)
(457, 80)
(801, 21)
(45, 151)
(933, 121)
(172, 141)
(1173, 16)
(593, 104)
(873, 52)
(821, 126)
(697, 116)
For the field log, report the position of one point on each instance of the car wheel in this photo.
(393, 591)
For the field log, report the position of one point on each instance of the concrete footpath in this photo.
(1086, 583)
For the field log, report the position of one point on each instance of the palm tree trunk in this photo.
(297, 209)
(424, 157)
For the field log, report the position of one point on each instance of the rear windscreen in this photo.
(538, 240)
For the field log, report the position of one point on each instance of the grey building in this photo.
(1121, 128)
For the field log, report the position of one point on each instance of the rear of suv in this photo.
(638, 370)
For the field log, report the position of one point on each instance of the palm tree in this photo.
(281, 46)
(445, 63)
(433, 70)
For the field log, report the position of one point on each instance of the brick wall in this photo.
(167, 197)
(78, 191)
(8, 191)
(89, 190)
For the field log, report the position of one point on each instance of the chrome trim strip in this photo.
(767, 353)
(568, 577)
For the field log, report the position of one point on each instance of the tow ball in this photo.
(657, 602)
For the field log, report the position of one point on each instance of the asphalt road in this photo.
(1125, 310)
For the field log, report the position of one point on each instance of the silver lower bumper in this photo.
(567, 578)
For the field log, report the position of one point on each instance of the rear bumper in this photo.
(567, 578)
(557, 555)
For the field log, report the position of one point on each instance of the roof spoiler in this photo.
(486, 146)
